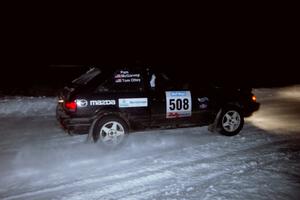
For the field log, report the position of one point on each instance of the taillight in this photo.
(71, 106)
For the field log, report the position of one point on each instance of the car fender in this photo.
(234, 103)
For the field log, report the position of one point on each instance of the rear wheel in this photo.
(110, 131)
(231, 121)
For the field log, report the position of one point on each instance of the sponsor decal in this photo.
(177, 115)
(102, 102)
(82, 103)
(178, 104)
(133, 102)
(178, 93)
(125, 77)
(203, 102)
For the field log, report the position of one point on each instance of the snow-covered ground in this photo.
(39, 161)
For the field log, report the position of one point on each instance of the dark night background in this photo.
(253, 49)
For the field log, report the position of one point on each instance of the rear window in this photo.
(87, 77)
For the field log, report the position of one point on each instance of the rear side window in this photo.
(124, 80)
(87, 77)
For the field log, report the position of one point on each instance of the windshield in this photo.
(87, 77)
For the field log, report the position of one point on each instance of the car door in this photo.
(173, 103)
(170, 104)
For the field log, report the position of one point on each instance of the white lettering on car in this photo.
(126, 77)
(102, 102)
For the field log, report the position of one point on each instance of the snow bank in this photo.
(27, 106)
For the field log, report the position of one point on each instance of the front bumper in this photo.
(70, 124)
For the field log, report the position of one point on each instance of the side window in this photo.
(123, 81)
(163, 82)
(160, 82)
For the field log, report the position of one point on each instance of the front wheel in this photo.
(111, 131)
(231, 121)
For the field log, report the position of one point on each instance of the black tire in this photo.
(110, 136)
(58, 112)
(231, 121)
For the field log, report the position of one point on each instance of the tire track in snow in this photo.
(183, 173)
(233, 163)
(104, 190)
(186, 171)
(184, 165)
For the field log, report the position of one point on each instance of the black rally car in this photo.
(108, 104)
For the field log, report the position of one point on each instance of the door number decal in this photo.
(178, 104)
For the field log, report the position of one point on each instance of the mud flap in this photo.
(213, 127)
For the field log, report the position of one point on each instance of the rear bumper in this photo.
(70, 124)
(251, 108)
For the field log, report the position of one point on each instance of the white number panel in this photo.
(178, 104)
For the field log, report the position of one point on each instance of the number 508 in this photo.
(179, 104)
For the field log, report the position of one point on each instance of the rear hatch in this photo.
(67, 94)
